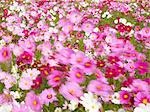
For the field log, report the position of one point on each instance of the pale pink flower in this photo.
(48, 96)
(99, 88)
(76, 75)
(33, 101)
(25, 83)
(5, 54)
(71, 91)
(88, 26)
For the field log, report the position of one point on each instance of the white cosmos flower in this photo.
(58, 109)
(116, 98)
(5, 108)
(15, 94)
(73, 105)
(109, 111)
(90, 102)
(31, 73)
(142, 108)
(121, 110)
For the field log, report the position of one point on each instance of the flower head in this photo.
(48, 96)
(71, 91)
(5, 54)
(99, 88)
(55, 78)
(125, 97)
(33, 101)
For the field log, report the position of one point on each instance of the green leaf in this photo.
(81, 45)
(1, 87)
(38, 55)
(61, 99)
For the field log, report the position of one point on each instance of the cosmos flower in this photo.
(87, 26)
(142, 98)
(55, 78)
(142, 67)
(33, 101)
(25, 83)
(48, 96)
(71, 91)
(76, 75)
(5, 54)
(90, 102)
(142, 108)
(124, 97)
(99, 88)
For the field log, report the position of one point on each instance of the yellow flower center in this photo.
(34, 102)
(145, 101)
(125, 96)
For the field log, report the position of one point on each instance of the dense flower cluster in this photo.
(74, 56)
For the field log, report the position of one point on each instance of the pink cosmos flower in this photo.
(33, 101)
(62, 22)
(88, 26)
(130, 66)
(139, 86)
(55, 78)
(75, 16)
(48, 96)
(5, 54)
(25, 83)
(64, 55)
(5, 98)
(7, 39)
(142, 67)
(9, 81)
(68, 27)
(125, 97)
(142, 97)
(88, 66)
(100, 76)
(20, 108)
(99, 88)
(17, 50)
(71, 91)
(27, 44)
(77, 59)
(76, 75)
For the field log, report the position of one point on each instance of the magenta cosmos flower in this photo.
(142, 97)
(99, 88)
(5, 54)
(76, 75)
(25, 58)
(71, 91)
(125, 97)
(48, 96)
(33, 101)
(55, 78)
(142, 67)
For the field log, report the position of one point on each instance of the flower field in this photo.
(74, 56)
